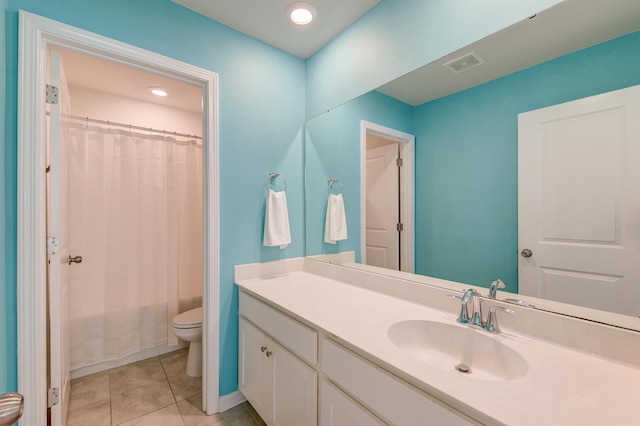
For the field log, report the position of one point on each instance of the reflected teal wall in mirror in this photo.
(466, 160)
(333, 151)
(398, 36)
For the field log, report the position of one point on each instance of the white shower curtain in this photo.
(135, 204)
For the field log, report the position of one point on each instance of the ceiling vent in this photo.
(464, 63)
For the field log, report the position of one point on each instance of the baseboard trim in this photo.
(231, 400)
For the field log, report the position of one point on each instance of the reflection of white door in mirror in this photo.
(579, 203)
(385, 245)
(383, 204)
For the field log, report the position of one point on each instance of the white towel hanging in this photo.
(276, 220)
(335, 224)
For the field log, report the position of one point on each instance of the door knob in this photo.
(526, 253)
(76, 259)
(11, 405)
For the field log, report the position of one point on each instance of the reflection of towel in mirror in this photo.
(335, 224)
(276, 220)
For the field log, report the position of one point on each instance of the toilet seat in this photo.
(187, 326)
(188, 319)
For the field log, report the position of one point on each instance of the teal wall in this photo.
(333, 151)
(466, 160)
(261, 129)
(398, 36)
(7, 240)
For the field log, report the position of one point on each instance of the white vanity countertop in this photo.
(561, 387)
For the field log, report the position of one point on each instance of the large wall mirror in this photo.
(463, 176)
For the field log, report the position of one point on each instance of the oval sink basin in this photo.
(460, 349)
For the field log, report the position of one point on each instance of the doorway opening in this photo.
(38, 36)
(125, 202)
(387, 197)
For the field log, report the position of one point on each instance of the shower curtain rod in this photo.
(130, 127)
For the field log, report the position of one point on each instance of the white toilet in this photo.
(187, 326)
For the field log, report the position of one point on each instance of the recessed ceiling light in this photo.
(301, 13)
(158, 91)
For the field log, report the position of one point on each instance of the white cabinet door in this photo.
(281, 388)
(338, 409)
(295, 389)
(254, 378)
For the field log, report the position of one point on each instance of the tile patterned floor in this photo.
(154, 392)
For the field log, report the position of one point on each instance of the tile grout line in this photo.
(175, 400)
(110, 399)
(173, 393)
(184, 422)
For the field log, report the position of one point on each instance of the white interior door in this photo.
(59, 345)
(579, 202)
(382, 207)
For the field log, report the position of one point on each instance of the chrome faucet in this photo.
(472, 297)
(476, 313)
(492, 320)
(463, 317)
(495, 285)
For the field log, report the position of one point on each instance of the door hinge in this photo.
(52, 94)
(399, 162)
(53, 245)
(53, 397)
(400, 227)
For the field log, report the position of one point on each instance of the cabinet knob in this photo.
(269, 354)
(263, 348)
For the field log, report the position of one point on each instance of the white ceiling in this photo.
(91, 72)
(569, 26)
(268, 21)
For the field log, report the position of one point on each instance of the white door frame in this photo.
(36, 35)
(407, 149)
